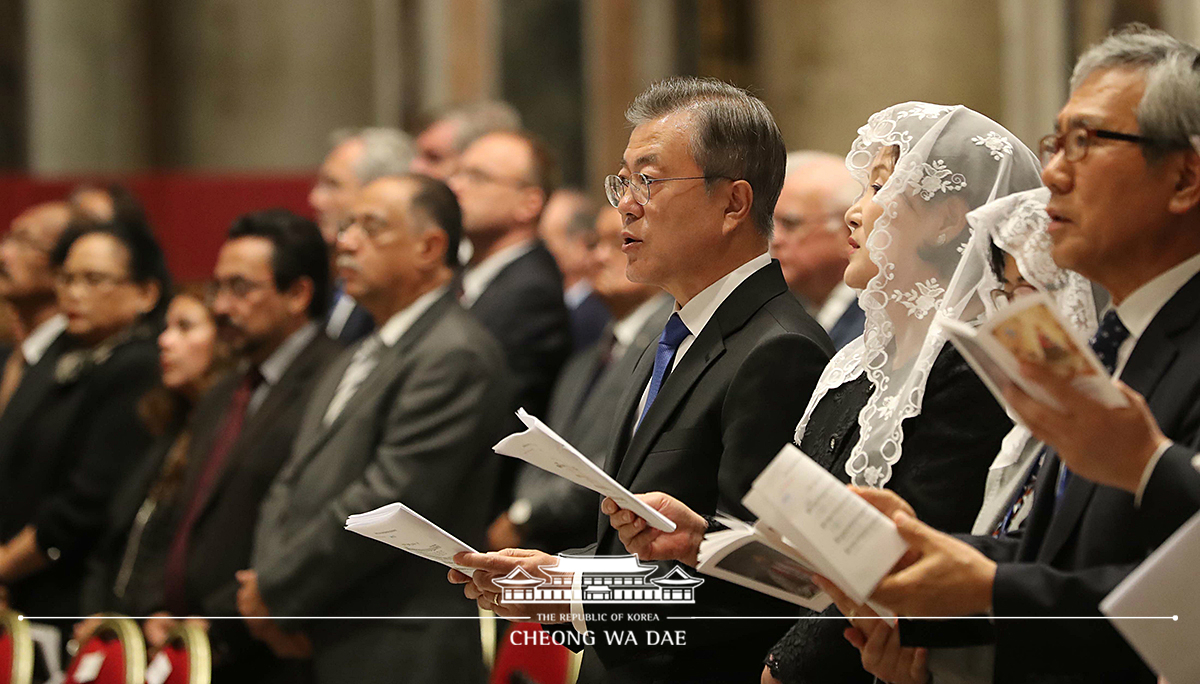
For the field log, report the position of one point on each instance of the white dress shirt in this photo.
(38, 341)
(278, 362)
(626, 330)
(835, 306)
(1136, 312)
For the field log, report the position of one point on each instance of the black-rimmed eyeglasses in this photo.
(1075, 142)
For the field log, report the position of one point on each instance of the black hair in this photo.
(437, 202)
(996, 261)
(298, 251)
(147, 263)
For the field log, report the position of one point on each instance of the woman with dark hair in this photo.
(73, 433)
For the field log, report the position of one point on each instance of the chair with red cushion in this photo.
(185, 659)
(16, 650)
(545, 664)
(114, 654)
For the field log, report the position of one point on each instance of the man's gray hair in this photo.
(736, 137)
(845, 193)
(386, 151)
(1169, 112)
(477, 119)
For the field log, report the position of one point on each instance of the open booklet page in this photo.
(807, 516)
(1163, 585)
(404, 528)
(542, 447)
(1031, 330)
(757, 558)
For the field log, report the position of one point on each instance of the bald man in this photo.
(810, 240)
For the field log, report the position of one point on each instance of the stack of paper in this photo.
(404, 528)
(1161, 588)
(810, 518)
(540, 446)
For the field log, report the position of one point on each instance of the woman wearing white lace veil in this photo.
(1010, 249)
(899, 407)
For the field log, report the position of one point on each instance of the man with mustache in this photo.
(268, 294)
(409, 414)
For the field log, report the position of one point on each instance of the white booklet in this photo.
(1031, 329)
(1163, 585)
(822, 525)
(756, 557)
(542, 447)
(404, 528)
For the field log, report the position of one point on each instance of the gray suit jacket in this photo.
(564, 514)
(420, 431)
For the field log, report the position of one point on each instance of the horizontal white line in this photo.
(38, 618)
(1174, 618)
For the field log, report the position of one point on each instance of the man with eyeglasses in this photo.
(268, 295)
(721, 390)
(1114, 482)
(810, 241)
(27, 284)
(409, 414)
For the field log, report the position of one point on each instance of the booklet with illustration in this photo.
(1031, 330)
(809, 522)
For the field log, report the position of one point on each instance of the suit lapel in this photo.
(1152, 355)
(33, 389)
(627, 412)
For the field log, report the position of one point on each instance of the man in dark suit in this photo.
(711, 403)
(549, 512)
(409, 414)
(356, 158)
(270, 284)
(512, 283)
(810, 240)
(568, 227)
(1125, 212)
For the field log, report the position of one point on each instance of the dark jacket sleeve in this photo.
(110, 437)
(1172, 495)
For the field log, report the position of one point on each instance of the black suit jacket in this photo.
(523, 308)
(65, 447)
(588, 321)
(948, 448)
(223, 533)
(358, 324)
(1069, 559)
(721, 415)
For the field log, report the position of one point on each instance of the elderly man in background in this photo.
(357, 157)
(568, 228)
(440, 143)
(810, 241)
(551, 513)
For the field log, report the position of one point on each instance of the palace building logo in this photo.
(603, 579)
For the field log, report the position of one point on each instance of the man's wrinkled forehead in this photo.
(659, 141)
(1107, 98)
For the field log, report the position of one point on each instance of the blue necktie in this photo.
(672, 336)
(1108, 339)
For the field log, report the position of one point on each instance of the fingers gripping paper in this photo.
(540, 446)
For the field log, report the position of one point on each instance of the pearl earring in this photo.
(941, 239)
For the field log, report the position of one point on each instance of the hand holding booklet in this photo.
(542, 447)
(1031, 330)
(809, 522)
(402, 527)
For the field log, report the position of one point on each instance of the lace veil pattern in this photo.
(951, 160)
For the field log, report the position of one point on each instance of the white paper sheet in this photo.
(400, 526)
(542, 447)
(1163, 585)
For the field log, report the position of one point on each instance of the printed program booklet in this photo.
(1031, 329)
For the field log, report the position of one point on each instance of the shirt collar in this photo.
(38, 341)
(697, 312)
(477, 278)
(277, 363)
(578, 292)
(836, 305)
(1140, 308)
(402, 320)
(626, 329)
